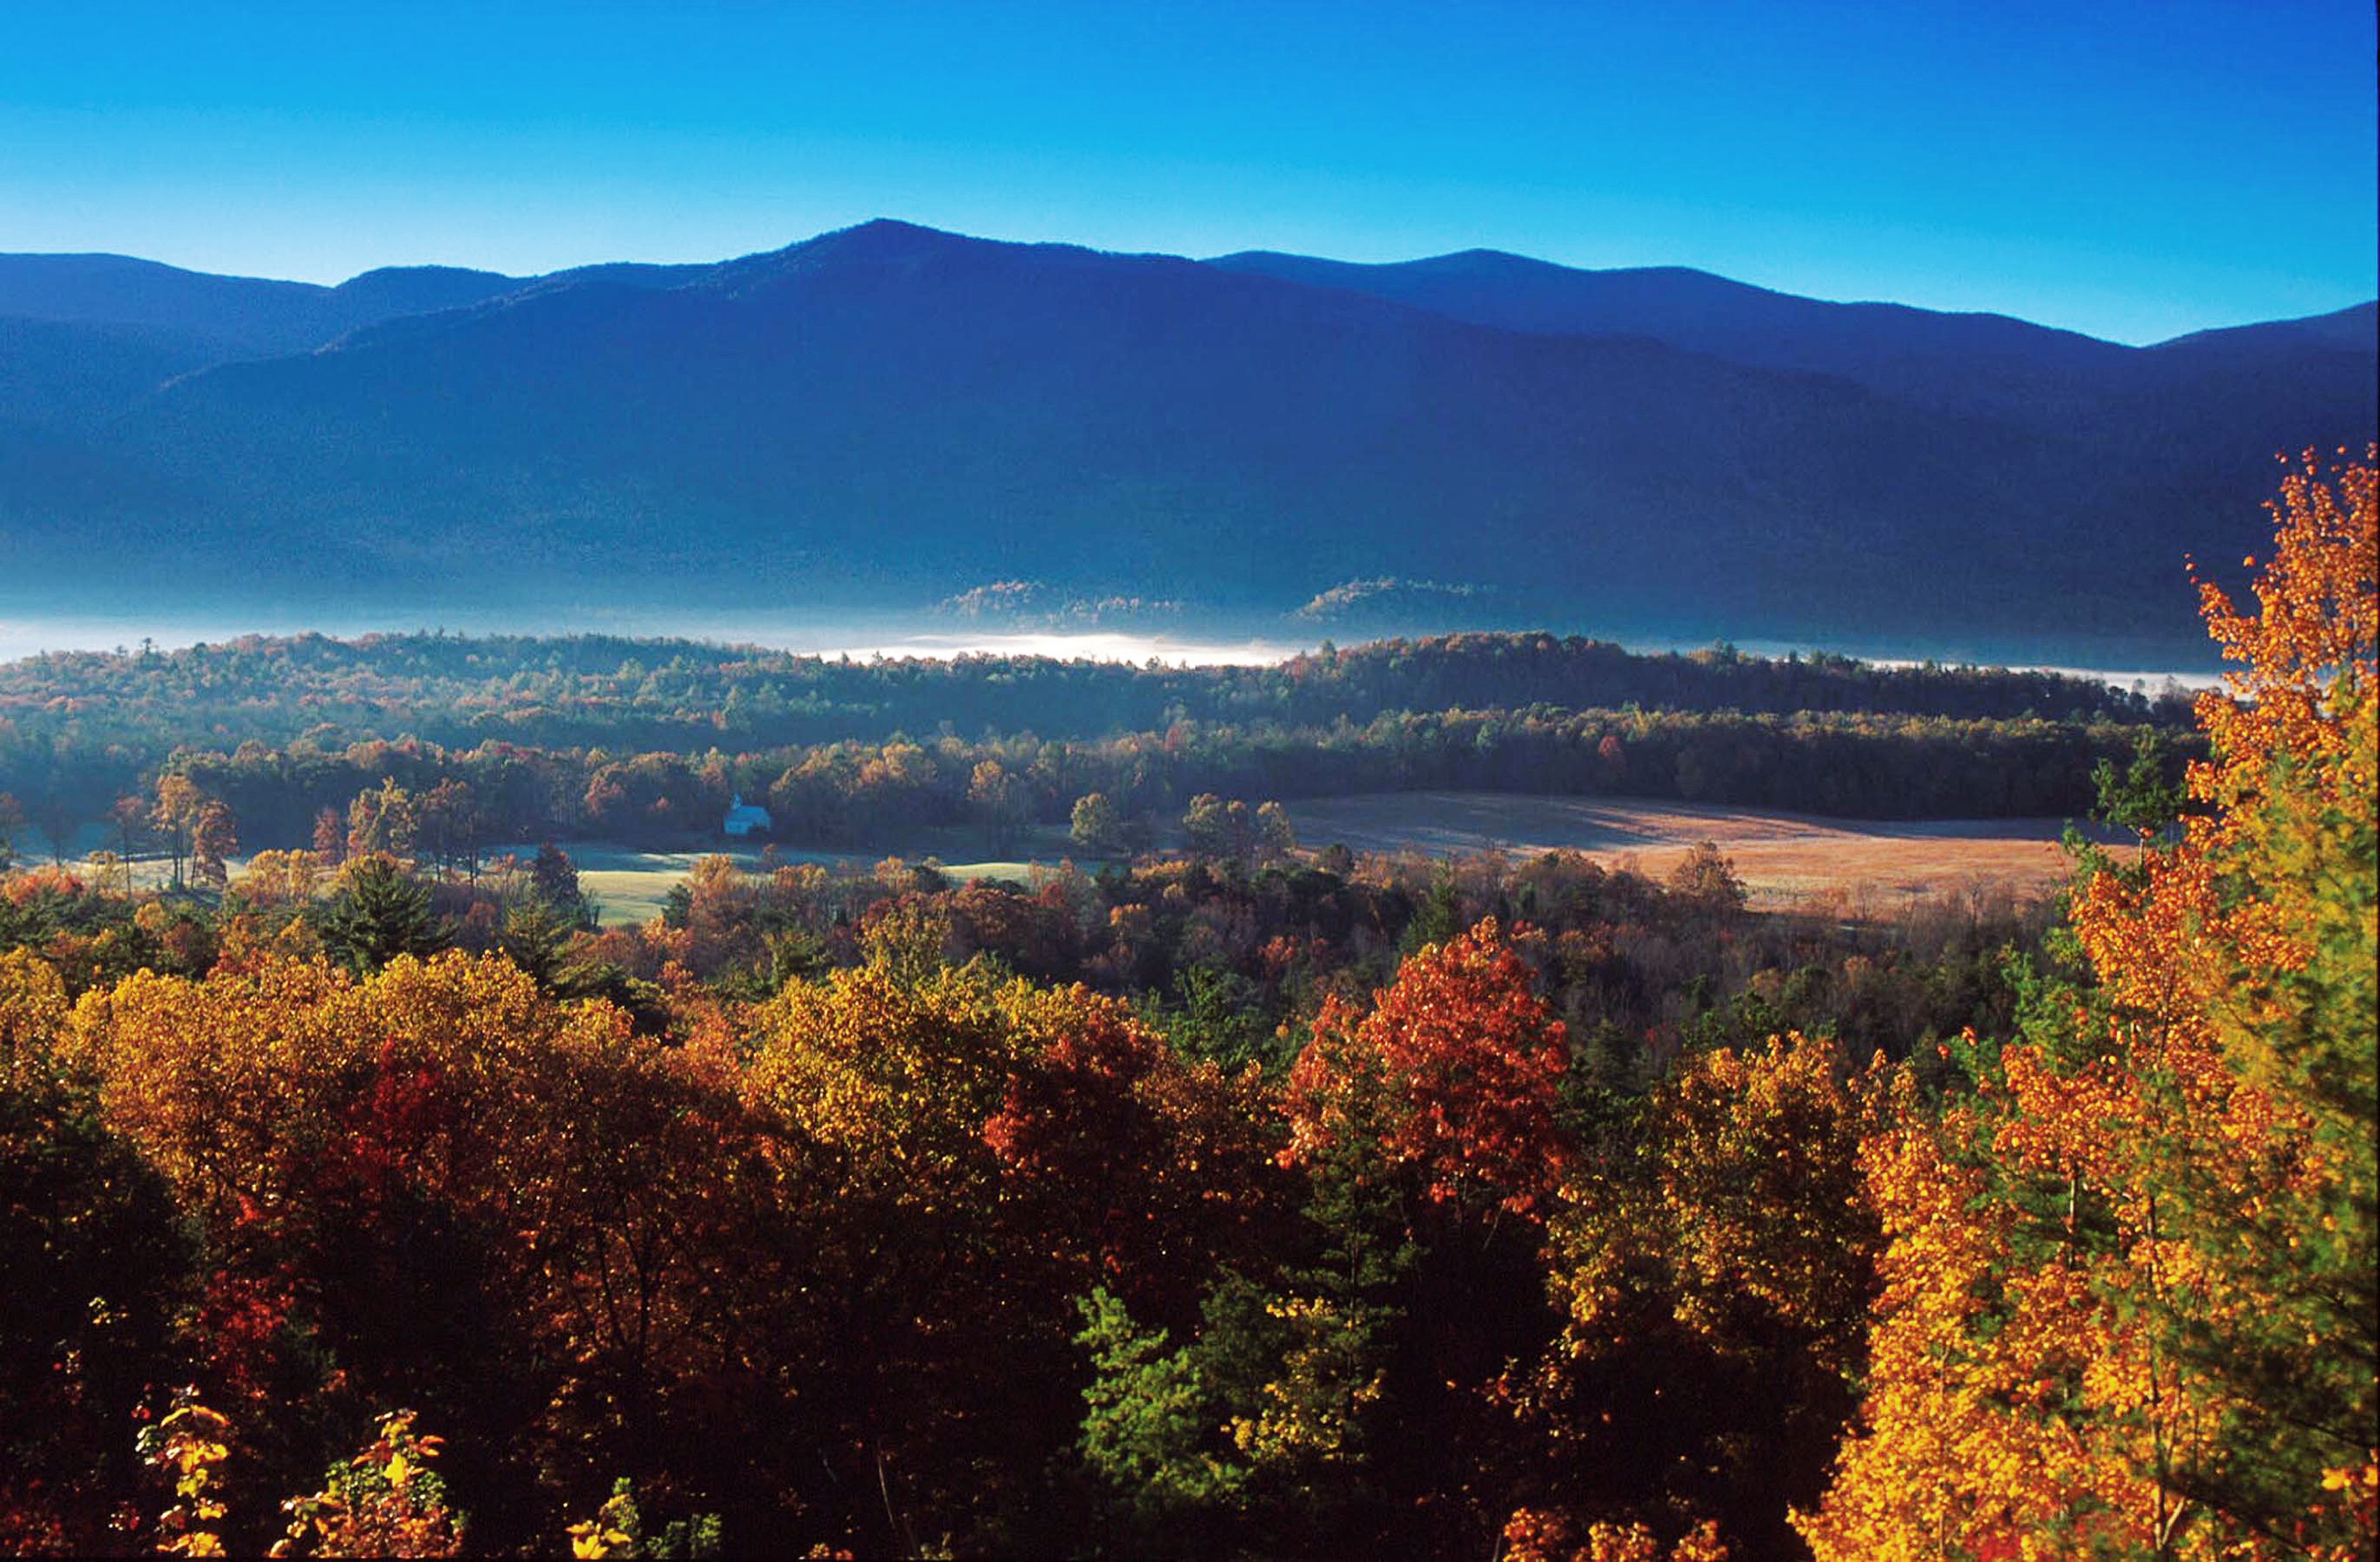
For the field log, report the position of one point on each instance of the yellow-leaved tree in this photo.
(2130, 1301)
(1712, 1274)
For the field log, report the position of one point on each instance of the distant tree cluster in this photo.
(453, 806)
(76, 716)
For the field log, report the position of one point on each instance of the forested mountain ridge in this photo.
(884, 418)
(236, 317)
(1885, 345)
(1954, 361)
(2206, 411)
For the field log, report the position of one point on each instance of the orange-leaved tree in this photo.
(2130, 1295)
(439, 1182)
(955, 1156)
(1453, 1071)
(92, 1274)
(1119, 1157)
(1427, 1128)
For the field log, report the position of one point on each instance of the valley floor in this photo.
(1784, 859)
(1870, 868)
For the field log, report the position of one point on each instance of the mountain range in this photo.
(892, 421)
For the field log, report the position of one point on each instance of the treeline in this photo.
(908, 1259)
(855, 794)
(594, 692)
(1230, 957)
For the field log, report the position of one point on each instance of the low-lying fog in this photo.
(21, 637)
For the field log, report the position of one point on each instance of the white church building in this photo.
(745, 819)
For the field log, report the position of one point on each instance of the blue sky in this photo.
(2133, 170)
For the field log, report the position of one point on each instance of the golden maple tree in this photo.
(2130, 1294)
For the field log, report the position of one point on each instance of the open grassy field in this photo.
(1878, 867)
(1784, 859)
(1875, 867)
(144, 871)
(629, 885)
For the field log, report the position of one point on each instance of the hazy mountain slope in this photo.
(2355, 329)
(886, 416)
(392, 291)
(224, 318)
(2175, 432)
(231, 314)
(1891, 348)
(1981, 363)
(631, 274)
(62, 375)
(891, 414)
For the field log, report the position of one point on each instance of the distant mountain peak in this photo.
(878, 241)
(883, 239)
(383, 276)
(1491, 259)
(890, 227)
(392, 292)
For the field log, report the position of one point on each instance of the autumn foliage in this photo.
(1453, 1072)
(1711, 1278)
(2130, 1290)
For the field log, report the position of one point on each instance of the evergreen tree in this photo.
(2131, 1286)
(535, 937)
(382, 913)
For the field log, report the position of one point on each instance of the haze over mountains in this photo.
(892, 421)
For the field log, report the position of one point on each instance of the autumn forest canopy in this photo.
(1215, 1191)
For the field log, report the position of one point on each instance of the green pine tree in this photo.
(382, 914)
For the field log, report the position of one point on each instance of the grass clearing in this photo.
(1784, 859)
(628, 884)
(1875, 867)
